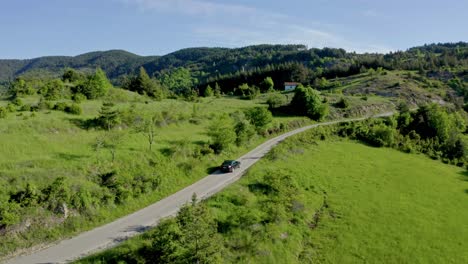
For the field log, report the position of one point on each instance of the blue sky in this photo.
(33, 28)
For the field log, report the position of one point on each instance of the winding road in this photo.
(115, 232)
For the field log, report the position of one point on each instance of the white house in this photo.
(289, 86)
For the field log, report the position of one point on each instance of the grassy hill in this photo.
(42, 146)
(351, 203)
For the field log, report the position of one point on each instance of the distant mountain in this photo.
(118, 62)
(211, 64)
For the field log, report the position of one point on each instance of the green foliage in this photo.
(60, 106)
(208, 91)
(20, 87)
(276, 100)
(343, 103)
(267, 85)
(143, 84)
(259, 117)
(17, 102)
(217, 90)
(248, 92)
(9, 213)
(78, 98)
(307, 101)
(108, 116)
(72, 76)
(73, 109)
(243, 128)
(56, 193)
(199, 237)
(179, 81)
(94, 86)
(3, 112)
(221, 132)
(53, 89)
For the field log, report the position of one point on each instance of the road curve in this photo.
(115, 232)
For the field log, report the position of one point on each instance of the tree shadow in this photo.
(464, 175)
(283, 111)
(168, 152)
(70, 157)
(259, 187)
(84, 123)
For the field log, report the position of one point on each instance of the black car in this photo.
(230, 165)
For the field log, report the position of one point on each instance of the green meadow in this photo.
(38, 147)
(346, 203)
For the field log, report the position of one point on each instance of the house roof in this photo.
(291, 83)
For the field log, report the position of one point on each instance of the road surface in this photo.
(115, 232)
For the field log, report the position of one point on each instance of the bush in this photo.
(3, 112)
(11, 107)
(60, 106)
(221, 131)
(276, 100)
(259, 117)
(343, 103)
(307, 101)
(25, 108)
(17, 102)
(78, 98)
(73, 109)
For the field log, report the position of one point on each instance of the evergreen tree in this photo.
(108, 117)
(208, 91)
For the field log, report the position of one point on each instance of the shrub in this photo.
(25, 108)
(259, 117)
(307, 101)
(78, 98)
(11, 107)
(60, 106)
(3, 112)
(73, 109)
(276, 100)
(208, 91)
(343, 103)
(221, 131)
(17, 102)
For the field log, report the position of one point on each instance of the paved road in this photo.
(111, 234)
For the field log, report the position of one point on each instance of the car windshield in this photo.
(228, 162)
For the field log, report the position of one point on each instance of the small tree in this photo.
(208, 91)
(259, 117)
(307, 101)
(108, 117)
(217, 90)
(267, 85)
(3, 112)
(221, 131)
(202, 243)
(143, 84)
(148, 128)
(94, 86)
(276, 100)
(110, 140)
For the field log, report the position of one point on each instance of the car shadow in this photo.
(214, 170)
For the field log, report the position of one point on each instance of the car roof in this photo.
(229, 161)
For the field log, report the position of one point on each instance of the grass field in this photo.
(382, 206)
(352, 204)
(38, 147)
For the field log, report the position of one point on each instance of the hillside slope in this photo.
(351, 203)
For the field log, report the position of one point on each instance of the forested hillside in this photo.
(252, 63)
